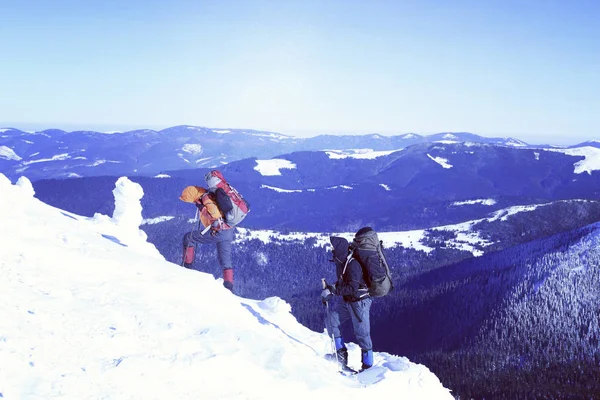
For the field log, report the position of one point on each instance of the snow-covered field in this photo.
(467, 238)
(90, 310)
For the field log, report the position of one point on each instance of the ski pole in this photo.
(333, 349)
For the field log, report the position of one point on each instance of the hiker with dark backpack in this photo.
(220, 209)
(355, 304)
(362, 273)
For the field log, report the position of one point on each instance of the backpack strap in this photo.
(348, 259)
(364, 290)
(385, 263)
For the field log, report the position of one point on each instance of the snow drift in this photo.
(90, 310)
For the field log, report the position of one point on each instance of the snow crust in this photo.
(85, 315)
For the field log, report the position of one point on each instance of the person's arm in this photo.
(349, 287)
(211, 206)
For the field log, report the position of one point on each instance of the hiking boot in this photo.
(188, 256)
(228, 279)
(367, 359)
(228, 285)
(342, 356)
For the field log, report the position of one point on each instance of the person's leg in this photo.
(362, 329)
(224, 248)
(190, 239)
(336, 316)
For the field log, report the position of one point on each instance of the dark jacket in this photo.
(351, 283)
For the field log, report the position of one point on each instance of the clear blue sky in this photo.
(527, 69)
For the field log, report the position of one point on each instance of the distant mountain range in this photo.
(55, 153)
(424, 185)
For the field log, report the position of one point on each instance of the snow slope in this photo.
(90, 310)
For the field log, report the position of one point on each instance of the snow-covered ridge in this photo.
(100, 162)
(8, 154)
(280, 190)
(358, 153)
(485, 202)
(58, 157)
(442, 161)
(409, 136)
(272, 136)
(447, 141)
(90, 312)
(514, 142)
(591, 161)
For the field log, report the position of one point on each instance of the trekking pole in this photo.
(196, 217)
(333, 349)
(197, 228)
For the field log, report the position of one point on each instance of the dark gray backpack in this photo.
(367, 249)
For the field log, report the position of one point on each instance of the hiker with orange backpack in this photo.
(220, 209)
